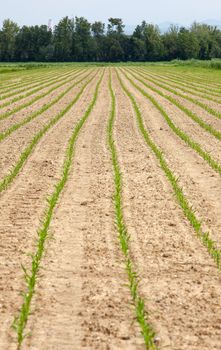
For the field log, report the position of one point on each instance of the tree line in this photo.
(81, 41)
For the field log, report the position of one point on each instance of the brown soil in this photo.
(24, 100)
(13, 145)
(178, 279)
(200, 182)
(199, 111)
(82, 299)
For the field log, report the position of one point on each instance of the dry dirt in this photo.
(82, 299)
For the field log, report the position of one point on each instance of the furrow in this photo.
(28, 150)
(32, 272)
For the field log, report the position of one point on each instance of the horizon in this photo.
(209, 21)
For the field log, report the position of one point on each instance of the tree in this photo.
(8, 36)
(83, 43)
(63, 36)
(98, 32)
(115, 38)
(170, 43)
(115, 26)
(79, 40)
(188, 46)
(32, 43)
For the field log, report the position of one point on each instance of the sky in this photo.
(131, 11)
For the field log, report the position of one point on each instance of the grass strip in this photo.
(181, 134)
(188, 210)
(31, 276)
(188, 98)
(33, 115)
(189, 113)
(37, 98)
(124, 237)
(28, 150)
(40, 86)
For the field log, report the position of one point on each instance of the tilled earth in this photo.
(82, 298)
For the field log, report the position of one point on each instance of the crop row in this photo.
(195, 79)
(181, 198)
(179, 83)
(124, 237)
(30, 147)
(45, 107)
(181, 134)
(188, 112)
(210, 110)
(31, 274)
(34, 89)
(207, 95)
(36, 98)
(21, 87)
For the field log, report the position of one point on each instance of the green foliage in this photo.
(32, 273)
(188, 210)
(8, 36)
(76, 39)
(124, 237)
(5, 182)
(188, 112)
(181, 134)
(36, 113)
(29, 103)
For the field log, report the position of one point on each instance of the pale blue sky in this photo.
(131, 11)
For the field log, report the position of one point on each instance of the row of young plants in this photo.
(188, 210)
(21, 87)
(47, 78)
(14, 80)
(124, 237)
(45, 107)
(164, 86)
(37, 98)
(31, 274)
(168, 81)
(188, 112)
(37, 87)
(8, 179)
(195, 78)
(181, 134)
(178, 82)
(191, 80)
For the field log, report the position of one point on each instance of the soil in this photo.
(82, 299)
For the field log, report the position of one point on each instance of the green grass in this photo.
(215, 63)
(188, 210)
(31, 276)
(8, 179)
(124, 237)
(45, 107)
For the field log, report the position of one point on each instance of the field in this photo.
(110, 187)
